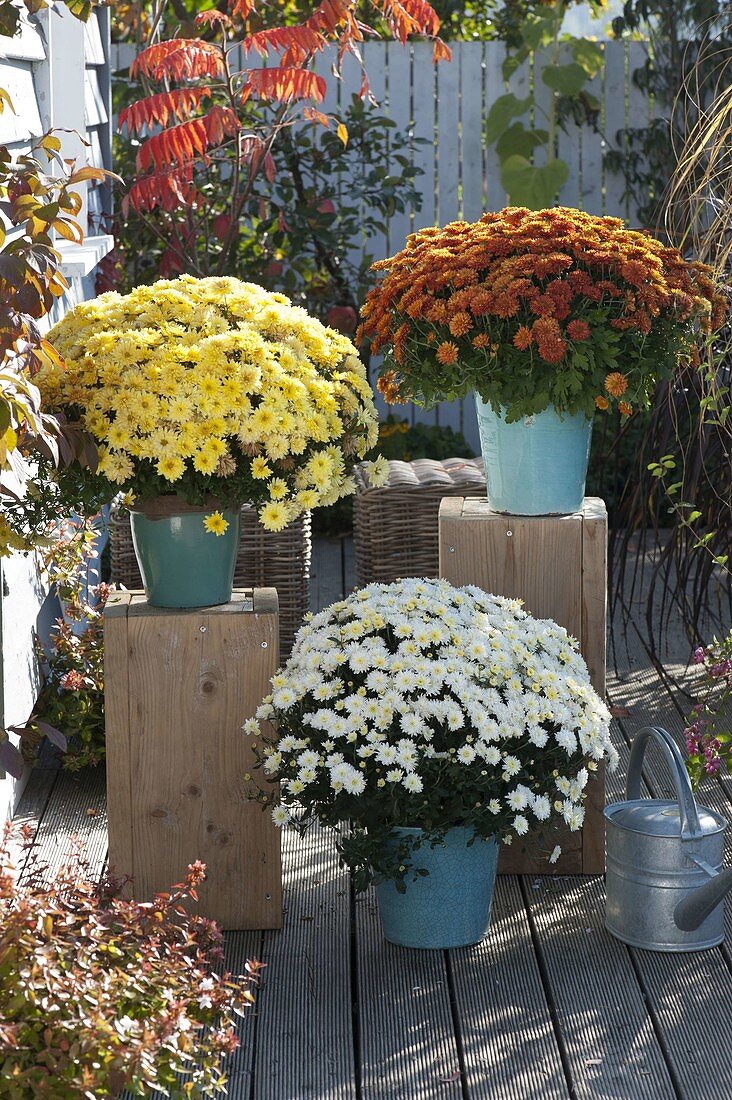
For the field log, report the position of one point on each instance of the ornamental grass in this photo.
(212, 389)
(537, 308)
(420, 704)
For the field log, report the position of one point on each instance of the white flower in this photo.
(494, 806)
(466, 754)
(413, 783)
(394, 775)
(511, 767)
(251, 727)
(518, 799)
(354, 783)
(542, 807)
(556, 853)
(520, 824)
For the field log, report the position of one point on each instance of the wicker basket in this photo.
(266, 559)
(395, 526)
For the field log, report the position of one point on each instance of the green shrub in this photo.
(99, 993)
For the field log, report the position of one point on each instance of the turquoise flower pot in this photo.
(451, 906)
(182, 564)
(536, 466)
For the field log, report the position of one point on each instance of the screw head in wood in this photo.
(267, 897)
(451, 549)
(203, 629)
(264, 645)
(508, 534)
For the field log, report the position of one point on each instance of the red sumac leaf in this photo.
(160, 109)
(287, 83)
(179, 59)
(294, 43)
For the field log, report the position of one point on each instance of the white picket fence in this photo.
(446, 105)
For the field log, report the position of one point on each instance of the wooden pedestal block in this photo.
(178, 685)
(558, 566)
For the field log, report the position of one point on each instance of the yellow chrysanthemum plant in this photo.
(214, 390)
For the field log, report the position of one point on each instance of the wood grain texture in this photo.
(558, 566)
(305, 1047)
(192, 677)
(607, 1034)
(117, 725)
(408, 1045)
(509, 1045)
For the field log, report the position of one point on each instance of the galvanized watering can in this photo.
(664, 884)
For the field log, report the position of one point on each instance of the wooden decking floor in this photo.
(549, 1007)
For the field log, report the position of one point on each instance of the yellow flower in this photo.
(170, 467)
(277, 488)
(205, 462)
(215, 524)
(260, 468)
(274, 516)
(198, 376)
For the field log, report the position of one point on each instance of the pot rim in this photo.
(170, 504)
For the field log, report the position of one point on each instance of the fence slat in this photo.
(638, 111)
(472, 131)
(399, 67)
(592, 172)
(494, 54)
(448, 158)
(374, 57)
(423, 113)
(569, 149)
(615, 121)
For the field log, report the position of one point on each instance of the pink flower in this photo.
(72, 680)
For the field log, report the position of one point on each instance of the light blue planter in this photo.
(182, 564)
(450, 907)
(536, 466)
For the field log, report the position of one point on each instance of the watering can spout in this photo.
(694, 909)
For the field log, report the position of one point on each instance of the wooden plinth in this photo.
(178, 685)
(558, 566)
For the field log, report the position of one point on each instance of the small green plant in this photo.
(522, 130)
(99, 993)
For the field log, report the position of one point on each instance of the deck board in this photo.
(305, 1030)
(507, 1033)
(610, 1045)
(407, 1043)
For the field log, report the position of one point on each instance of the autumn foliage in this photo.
(533, 308)
(202, 110)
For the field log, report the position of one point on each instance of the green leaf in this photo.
(539, 30)
(566, 79)
(503, 110)
(590, 55)
(517, 139)
(532, 186)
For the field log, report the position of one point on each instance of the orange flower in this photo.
(460, 324)
(625, 408)
(447, 353)
(523, 338)
(601, 402)
(616, 384)
(482, 340)
(578, 330)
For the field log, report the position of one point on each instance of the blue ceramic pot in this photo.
(182, 564)
(450, 907)
(536, 466)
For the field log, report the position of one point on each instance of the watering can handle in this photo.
(690, 827)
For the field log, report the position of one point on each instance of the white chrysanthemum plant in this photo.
(420, 704)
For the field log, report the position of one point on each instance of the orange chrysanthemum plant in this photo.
(534, 309)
